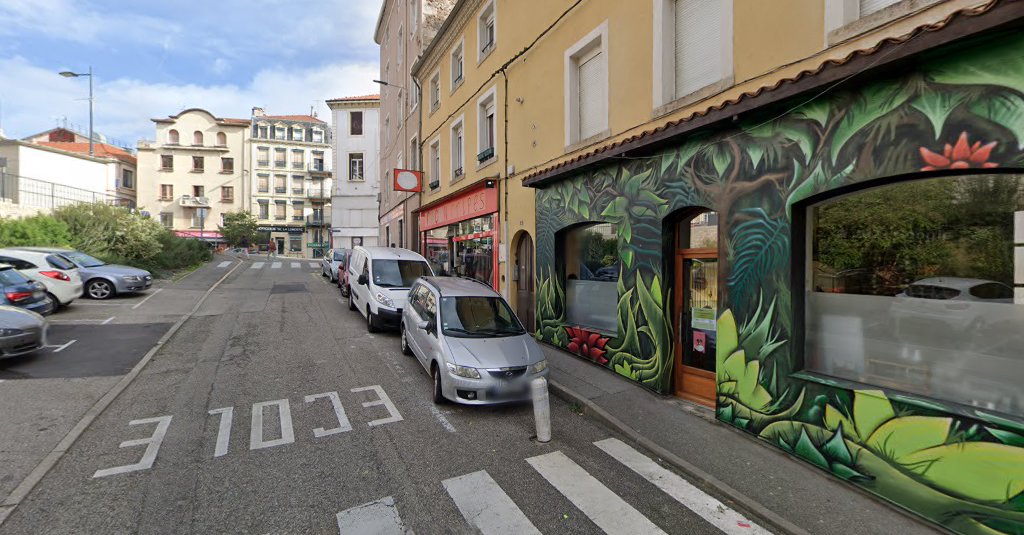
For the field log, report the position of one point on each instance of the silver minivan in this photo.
(470, 342)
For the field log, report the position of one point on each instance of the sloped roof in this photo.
(100, 150)
(363, 97)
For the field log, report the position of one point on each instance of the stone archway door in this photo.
(525, 295)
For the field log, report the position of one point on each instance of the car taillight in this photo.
(15, 297)
(59, 275)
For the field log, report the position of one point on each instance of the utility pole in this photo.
(70, 74)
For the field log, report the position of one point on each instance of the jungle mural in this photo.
(955, 109)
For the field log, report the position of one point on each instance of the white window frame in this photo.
(362, 172)
(300, 132)
(460, 126)
(843, 19)
(414, 154)
(488, 14)
(284, 132)
(596, 39)
(664, 83)
(435, 91)
(435, 162)
(488, 100)
(458, 51)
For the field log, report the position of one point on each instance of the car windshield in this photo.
(339, 256)
(11, 277)
(83, 259)
(398, 273)
(477, 317)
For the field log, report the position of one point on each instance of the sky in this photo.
(153, 59)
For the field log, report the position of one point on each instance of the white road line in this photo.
(284, 412)
(710, 509)
(63, 347)
(258, 265)
(296, 265)
(275, 265)
(605, 508)
(223, 430)
(313, 265)
(148, 297)
(379, 517)
(224, 264)
(82, 321)
(440, 418)
(482, 502)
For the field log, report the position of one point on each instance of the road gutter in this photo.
(25, 487)
(739, 500)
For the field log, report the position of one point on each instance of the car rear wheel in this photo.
(56, 302)
(99, 289)
(438, 391)
(406, 350)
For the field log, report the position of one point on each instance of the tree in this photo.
(239, 229)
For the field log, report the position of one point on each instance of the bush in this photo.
(33, 231)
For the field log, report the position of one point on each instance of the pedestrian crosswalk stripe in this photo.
(275, 265)
(313, 265)
(379, 517)
(486, 506)
(710, 509)
(224, 264)
(295, 265)
(606, 509)
(257, 265)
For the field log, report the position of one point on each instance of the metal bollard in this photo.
(541, 408)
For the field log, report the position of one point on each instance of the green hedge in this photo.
(110, 233)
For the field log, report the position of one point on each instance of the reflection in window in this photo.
(912, 287)
(591, 255)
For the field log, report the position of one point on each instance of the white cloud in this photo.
(72, 21)
(34, 96)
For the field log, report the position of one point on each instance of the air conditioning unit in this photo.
(202, 200)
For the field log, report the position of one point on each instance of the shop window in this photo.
(912, 288)
(591, 256)
(295, 243)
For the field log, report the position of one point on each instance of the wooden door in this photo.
(525, 295)
(695, 321)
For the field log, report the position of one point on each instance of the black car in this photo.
(19, 291)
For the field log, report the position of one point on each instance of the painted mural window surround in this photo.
(486, 30)
(692, 49)
(590, 253)
(911, 286)
(586, 95)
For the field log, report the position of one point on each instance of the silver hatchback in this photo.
(469, 340)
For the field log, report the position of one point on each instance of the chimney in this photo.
(257, 112)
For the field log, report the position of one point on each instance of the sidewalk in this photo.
(785, 494)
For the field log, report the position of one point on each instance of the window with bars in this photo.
(297, 210)
(298, 182)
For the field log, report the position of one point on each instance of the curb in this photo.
(745, 503)
(36, 475)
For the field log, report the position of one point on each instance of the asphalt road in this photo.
(272, 410)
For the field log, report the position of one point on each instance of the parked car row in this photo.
(461, 331)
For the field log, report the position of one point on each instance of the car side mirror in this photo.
(363, 280)
(423, 325)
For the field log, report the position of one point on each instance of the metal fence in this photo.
(33, 193)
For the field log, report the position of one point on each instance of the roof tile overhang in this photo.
(992, 16)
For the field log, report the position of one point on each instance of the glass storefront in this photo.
(464, 249)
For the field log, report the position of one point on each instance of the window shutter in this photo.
(698, 44)
(591, 95)
(868, 7)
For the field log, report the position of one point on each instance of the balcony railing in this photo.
(485, 154)
(263, 163)
(318, 193)
(298, 165)
(316, 220)
(280, 190)
(317, 167)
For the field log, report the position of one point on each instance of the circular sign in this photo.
(407, 180)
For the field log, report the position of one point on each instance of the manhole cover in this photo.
(291, 288)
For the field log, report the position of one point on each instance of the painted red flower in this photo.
(963, 155)
(587, 344)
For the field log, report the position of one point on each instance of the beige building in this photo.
(404, 29)
(289, 171)
(192, 173)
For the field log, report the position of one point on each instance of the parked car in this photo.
(333, 263)
(951, 310)
(103, 280)
(17, 290)
(468, 339)
(383, 277)
(59, 275)
(21, 331)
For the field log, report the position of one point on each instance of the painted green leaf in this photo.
(728, 338)
(651, 197)
(981, 471)
(725, 413)
(876, 101)
(835, 420)
(616, 209)
(635, 184)
(762, 246)
(802, 136)
(804, 190)
(1006, 437)
(1000, 421)
(806, 449)
(936, 106)
(1005, 110)
(870, 409)
(627, 256)
(756, 152)
(980, 67)
(721, 158)
(667, 161)
(846, 472)
(656, 289)
(836, 448)
(817, 110)
(902, 436)
(625, 230)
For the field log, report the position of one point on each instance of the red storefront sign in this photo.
(476, 203)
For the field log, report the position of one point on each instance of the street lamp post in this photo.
(69, 74)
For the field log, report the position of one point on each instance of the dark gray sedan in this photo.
(21, 331)
(103, 280)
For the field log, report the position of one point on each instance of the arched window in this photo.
(197, 138)
(172, 137)
(222, 139)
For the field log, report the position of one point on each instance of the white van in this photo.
(379, 279)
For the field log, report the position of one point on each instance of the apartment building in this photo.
(700, 174)
(404, 29)
(290, 175)
(355, 207)
(191, 174)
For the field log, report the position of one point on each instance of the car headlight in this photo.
(384, 300)
(539, 367)
(463, 371)
(132, 278)
(10, 332)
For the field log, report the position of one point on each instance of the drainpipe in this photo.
(508, 246)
